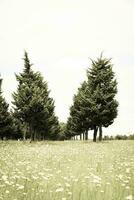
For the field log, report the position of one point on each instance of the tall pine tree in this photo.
(94, 106)
(79, 121)
(33, 106)
(102, 88)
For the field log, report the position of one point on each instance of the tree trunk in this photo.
(35, 135)
(86, 135)
(100, 133)
(95, 133)
(24, 136)
(31, 132)
(80, 137)
(83, 136)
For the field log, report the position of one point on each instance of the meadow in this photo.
(68, 170)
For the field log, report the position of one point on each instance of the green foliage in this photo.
(119, 137)
(94, 106)
(78, 121)
(103, 88)
(33, 106)
(131, 137)
(62, 132)
(6, 127)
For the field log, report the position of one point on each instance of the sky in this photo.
(60, 37)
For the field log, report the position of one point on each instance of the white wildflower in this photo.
(87, 177)
(76, 180)
(20, 187)
(127, 187)
(44, 177)
(4, 177)
(70, 193)
(65, 178)
(127, 170)
(120, 176)
(67, 184)
(35, 177)
(60, 189)
(7, 182)
(130, 197)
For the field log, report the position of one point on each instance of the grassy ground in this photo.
(67, 170)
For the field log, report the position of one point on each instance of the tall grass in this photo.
(70, 170)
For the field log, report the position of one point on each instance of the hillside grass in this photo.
(69, 170)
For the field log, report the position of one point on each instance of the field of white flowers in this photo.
(70, 170)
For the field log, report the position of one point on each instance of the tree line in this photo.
(119, 137)
(33, 111)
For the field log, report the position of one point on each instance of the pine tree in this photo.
(62, 132)
(5, 118)
(79, 121)
(32, 104)
(102, 88)
(94, 106)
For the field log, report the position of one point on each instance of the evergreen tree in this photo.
(79, 121)
(62, 134)
(18, 131)
(94, 106)
(102, 88)
(5, 118)
(33, 106)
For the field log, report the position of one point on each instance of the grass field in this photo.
(70, 170)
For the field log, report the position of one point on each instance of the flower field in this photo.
(69, 170)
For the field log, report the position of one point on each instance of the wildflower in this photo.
(4, 177)
(67, 184)
(76, 180)
(126, 181)
(60, 189)
(44, 177)
(87, 177)
(127, 170)
(35, 177)
(130, 197)
(65, 178)
(127, 187)
(120, 176)
(7, 182)
(20, 187)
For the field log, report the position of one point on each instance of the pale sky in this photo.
(60, 37)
